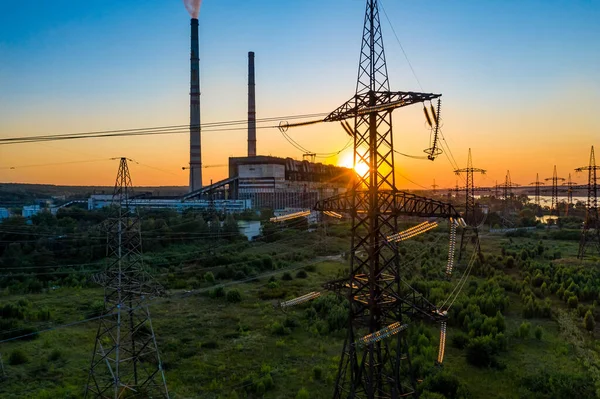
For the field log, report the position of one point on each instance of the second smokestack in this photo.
(251, 107)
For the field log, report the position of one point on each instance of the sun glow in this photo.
(360, 168)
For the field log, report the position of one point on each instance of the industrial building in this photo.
(278, 183)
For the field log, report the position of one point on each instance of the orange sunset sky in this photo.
(519, 82)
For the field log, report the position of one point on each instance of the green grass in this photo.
(211, 347)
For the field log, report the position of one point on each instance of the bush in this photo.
(96, 309)
(209, 277)
(17, 357)
(287, 276)
(480, 352)
(460, 340)
(279, 329)
(317, 372)
(538, 333)
(218, 292)
(524, 329)
(303, 394)
(572, 302)
(234, 296)
(301, 274)
(588, 321)
(55, 355)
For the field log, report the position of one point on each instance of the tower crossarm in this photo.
(384, 101)
(410, 301)
(470, 170)
(391, 202)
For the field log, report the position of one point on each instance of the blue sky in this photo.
(519, 80)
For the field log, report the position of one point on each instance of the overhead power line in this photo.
(147, 131)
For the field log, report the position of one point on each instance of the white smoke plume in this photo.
(193, 7)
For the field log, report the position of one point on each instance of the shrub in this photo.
(55, 355)
(234, 296)
(572, 302)
(460, 340)
(209, 277)
(287, 276)
(302, 274)
(218, 292)
(524, 329)
(538, 333)
(17, 357)
(480, 352)
(96, 309)
(588, 321)
(317, 372)
(303, 394)
(279, 329)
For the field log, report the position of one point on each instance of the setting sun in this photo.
(360, 168)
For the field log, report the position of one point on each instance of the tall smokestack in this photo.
(195, 149)
(251, 107)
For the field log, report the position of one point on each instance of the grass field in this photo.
(212, 348)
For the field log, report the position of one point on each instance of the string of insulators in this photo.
(427, 116)
(433, 151)
(442, 349)
(412, 232)
(461, 222)
(297, 301)
(385, 332)
(289, 216)
(433, 113)
(451, 246)
(347, 128)
(333, 214)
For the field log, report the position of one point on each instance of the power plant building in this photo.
(278, 183)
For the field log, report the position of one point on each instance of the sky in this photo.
(519, 81)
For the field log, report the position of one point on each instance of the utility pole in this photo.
(554, 209)
(537, 184)
(590, 233)
(377, 365)
(125, 361)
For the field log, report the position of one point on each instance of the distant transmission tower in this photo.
(507, 199)
(537, 184)
(554, 209)
(469, 215)
(434, 186)
(570, 184)
(125, 362)
(590, 234)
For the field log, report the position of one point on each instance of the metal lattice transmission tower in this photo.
(570, 184)
(590, 234)
(434, 186)
(125, 361)
(470, 210)
(555, 179)
(378, 368)
(537, 185)
(507, 199)
(470, 171)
